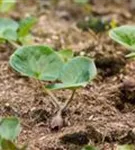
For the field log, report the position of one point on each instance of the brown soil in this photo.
(103, 113)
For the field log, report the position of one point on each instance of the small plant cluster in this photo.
(61, 69)
(42, 63)
(125, 35)
(15, 32)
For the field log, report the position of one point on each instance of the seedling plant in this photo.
(125, 35)
(61, 69)
(16, 33)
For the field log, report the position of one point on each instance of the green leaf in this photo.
(9, 145)
(40, 62)
(125, 147)
(6, 6)
(77, 72)
(6, 23)
(89, 148)
(25, 27)
(59, 86)
(9, 128)
(66, 54)
(10, 35)
(8, 29)
(124, 35)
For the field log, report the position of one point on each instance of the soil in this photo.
(103, 113)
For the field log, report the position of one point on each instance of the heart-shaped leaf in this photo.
(66, 54)
(77, 72)
(124, 35)
(9, 128)
(10, 35)
(40, 62)
(8, 29)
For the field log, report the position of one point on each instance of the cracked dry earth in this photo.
(102, 114)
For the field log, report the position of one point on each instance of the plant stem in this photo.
(57, 121)
(67, 102)
(54, 99)
(14, 44)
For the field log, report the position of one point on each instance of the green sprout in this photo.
(15, 32)
(60, 68)
(125, 35)
(9, 130)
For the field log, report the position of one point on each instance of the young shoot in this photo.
(16, 33)
(61, 68)
(9, 131)
(125, 35)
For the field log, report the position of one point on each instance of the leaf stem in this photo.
(57, 121)
(64, 106)
(53, 99)
(14, 44)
